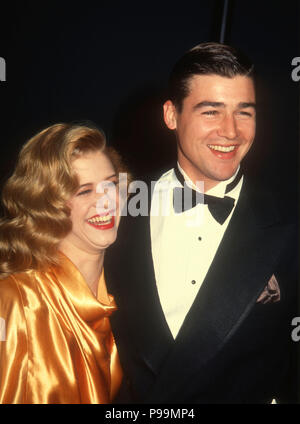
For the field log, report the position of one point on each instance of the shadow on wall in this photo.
(140, 134)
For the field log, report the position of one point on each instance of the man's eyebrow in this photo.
(206, 103)
(243, 105)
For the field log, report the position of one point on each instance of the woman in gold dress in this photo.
(57, 345)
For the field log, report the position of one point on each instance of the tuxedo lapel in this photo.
(237, 274)
(232, 285)
(137, 297)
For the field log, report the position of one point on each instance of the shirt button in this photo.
(193, 281)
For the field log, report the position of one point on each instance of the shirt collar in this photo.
(219, 189)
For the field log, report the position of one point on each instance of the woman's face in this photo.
(95, 205)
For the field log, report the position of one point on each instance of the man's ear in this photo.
(170, 115)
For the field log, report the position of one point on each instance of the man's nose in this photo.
(228, 127)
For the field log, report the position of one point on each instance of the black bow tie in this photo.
(219, 207)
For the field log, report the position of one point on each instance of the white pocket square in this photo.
(271, 292)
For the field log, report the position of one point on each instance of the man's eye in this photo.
(210, 112)
(244, 113)
(84, 192)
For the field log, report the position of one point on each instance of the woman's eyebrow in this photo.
(111, 176)
(84, 185)
(105, 179)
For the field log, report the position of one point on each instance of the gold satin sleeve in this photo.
(13, 348)
(115, 371)
(115, 367)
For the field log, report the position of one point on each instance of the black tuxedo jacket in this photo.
(230, 348)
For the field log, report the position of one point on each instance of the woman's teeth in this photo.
(100, 220)
(222, 148)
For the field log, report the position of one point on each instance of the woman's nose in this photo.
(105, 197)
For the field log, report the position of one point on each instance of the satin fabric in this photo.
(59, 347)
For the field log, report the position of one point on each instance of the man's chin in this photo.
(225, 173)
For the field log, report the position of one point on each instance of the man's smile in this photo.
(223, 152)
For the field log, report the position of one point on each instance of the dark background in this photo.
(109, 64)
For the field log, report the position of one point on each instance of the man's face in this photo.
(215, 128)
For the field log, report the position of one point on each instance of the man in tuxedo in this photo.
(206, 289)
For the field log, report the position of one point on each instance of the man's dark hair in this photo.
(206, 59)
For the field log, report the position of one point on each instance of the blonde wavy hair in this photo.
(35, 197)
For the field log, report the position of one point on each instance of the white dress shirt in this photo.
(183, 245)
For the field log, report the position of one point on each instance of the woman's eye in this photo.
(84, 192)
(115, 182)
